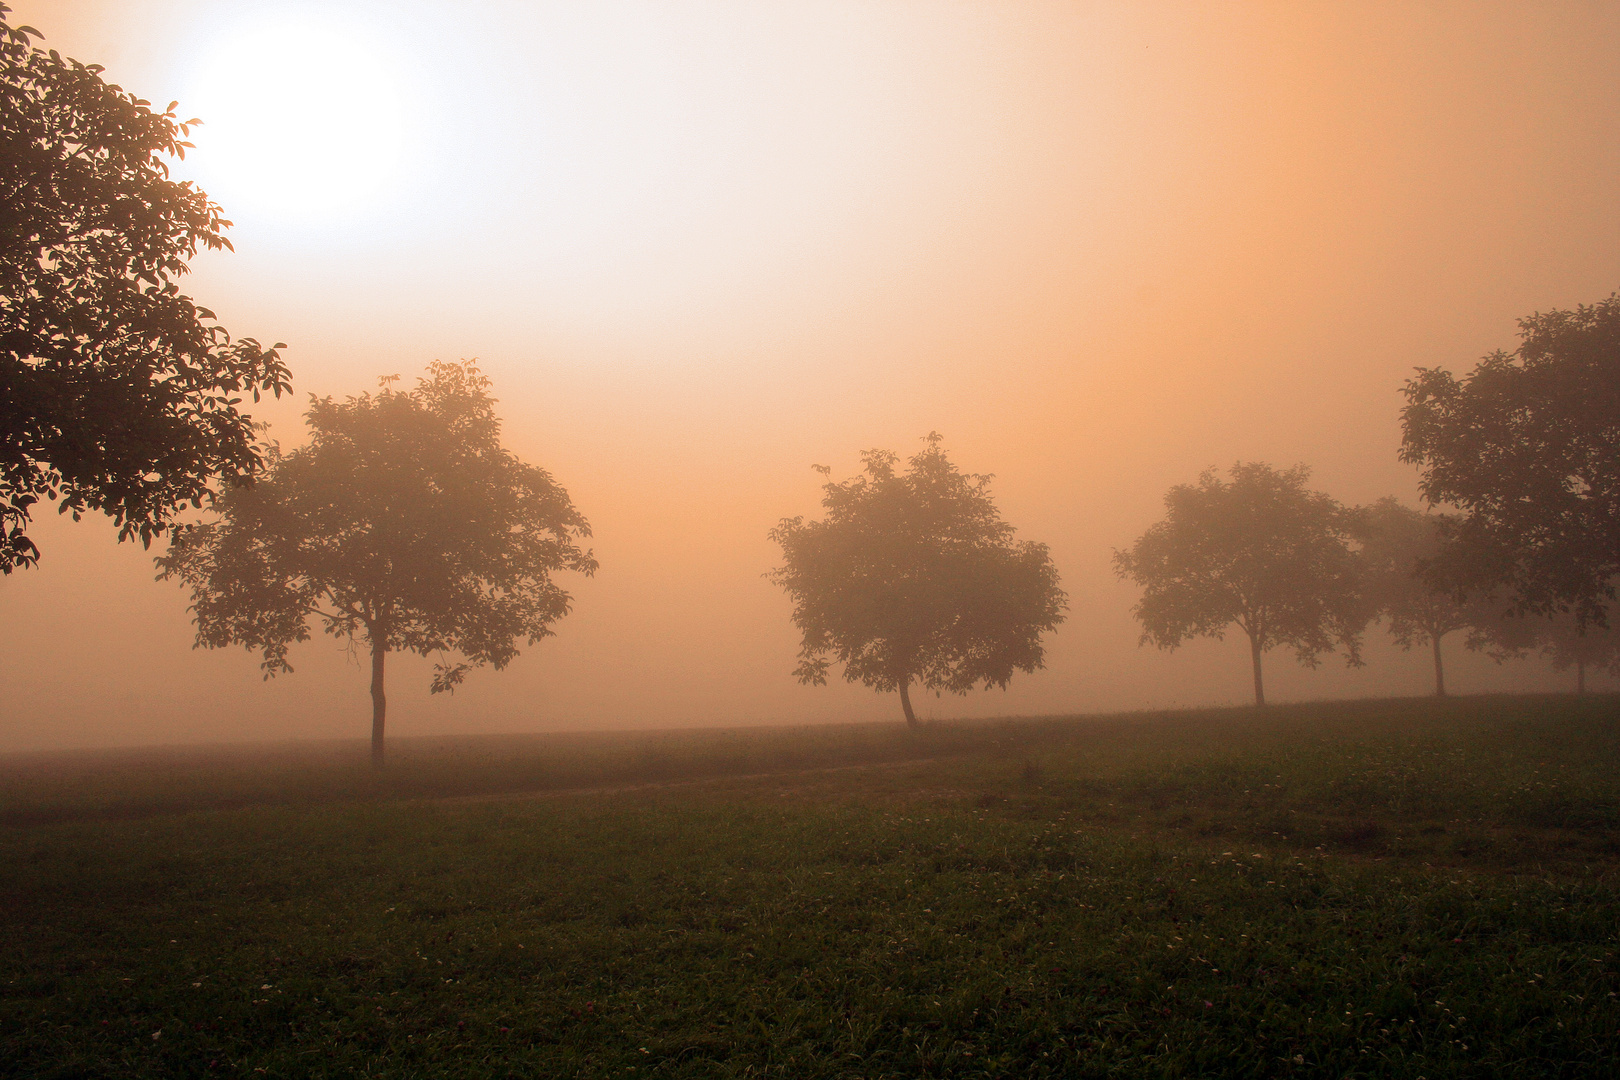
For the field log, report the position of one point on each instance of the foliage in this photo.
(1262, 553)
(117, 393)
(914, 576)
(1178, 893)
(1528, 444)
(403, 520)
(1397, 544)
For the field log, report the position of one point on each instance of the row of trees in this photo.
(914, 577)
(1527, 446)
(1290, 567)
(405, 523)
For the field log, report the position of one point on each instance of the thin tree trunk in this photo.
(905, 701)
(1439, 672)
(1580, 675)
(379, 702)
(1259, 681)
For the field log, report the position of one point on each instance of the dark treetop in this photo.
(1262, 553)
(1528, 444)
(403, 520)
(117, 393)
(914, 577)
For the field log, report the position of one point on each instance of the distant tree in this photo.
(117, 393)
(1397, 544)
(1569, 643)
(914, 577)
(403, 520)
(1261, 553)
(1563, 639)
(1528, 445)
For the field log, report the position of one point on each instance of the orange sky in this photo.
(701, 246)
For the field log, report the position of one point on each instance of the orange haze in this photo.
(701, 246)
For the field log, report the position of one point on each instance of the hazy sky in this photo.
(699, 247)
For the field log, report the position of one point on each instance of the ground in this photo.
(1397, 888)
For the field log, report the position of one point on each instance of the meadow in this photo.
(1409, 888)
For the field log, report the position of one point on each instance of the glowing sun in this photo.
(300, 124)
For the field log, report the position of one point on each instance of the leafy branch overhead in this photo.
(117, 392)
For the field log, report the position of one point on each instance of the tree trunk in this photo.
(1259, 682)
(1439, 672)
(1580, 675)
(379, 702)
(905, 701)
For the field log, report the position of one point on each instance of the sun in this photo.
(299, 125)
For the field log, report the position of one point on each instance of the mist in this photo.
(1100, 249)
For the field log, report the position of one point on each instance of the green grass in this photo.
(1402, 888)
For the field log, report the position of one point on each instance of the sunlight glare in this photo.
(298, 127)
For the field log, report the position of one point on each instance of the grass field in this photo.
(1399, 888)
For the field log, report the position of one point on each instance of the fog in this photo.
(700, 247)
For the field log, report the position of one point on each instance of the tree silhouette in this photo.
(1567, 643)
(1528, 444)
(1398, 546)
(1563, 638)
(1261, 553)
(117, 393)
(403, 520)
(914, 577)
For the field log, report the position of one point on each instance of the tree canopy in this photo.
(914, 577)
(403, 520)
(1398, 545)
(1528, 445)
(1261, 553)
(117, 393)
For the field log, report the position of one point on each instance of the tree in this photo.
(1397, 544)
(1261, 553)
(1562, 638)
(914, 577)
(117, 393)
(403, 520)
(1528, 445)
(1569, 643)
